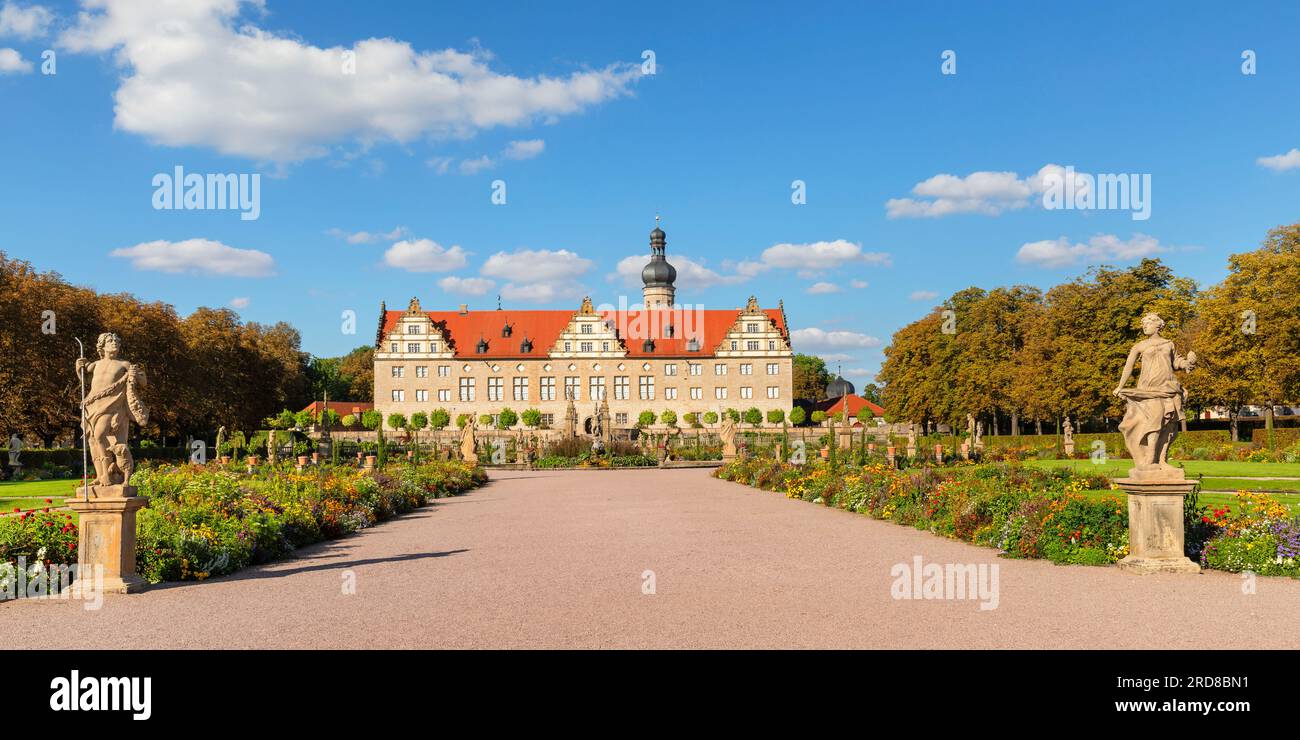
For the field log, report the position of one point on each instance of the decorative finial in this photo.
(498, 301)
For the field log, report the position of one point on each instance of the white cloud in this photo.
(1281, 162)
(691, 274)
(835, 356)
(988, 193)
(527, 149)
(424, 255)
(1100, 248)
(814, 257)
(466, 286)
(439, 165)
(240, 302)
(25, 23)
(541, 292)
(368, 237)
(536, 265)
(823, 288)
(858, 284)
(813, 339)
(923, 295)
(475, 166)
(197, 74)
(201, 256)
(11, 62)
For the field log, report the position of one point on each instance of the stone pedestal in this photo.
(889, 455)
(1155, 525)
(845, 439)
(1069, 449)
(938, 453)
(106, 533)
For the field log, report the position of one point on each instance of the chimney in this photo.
(464, 309)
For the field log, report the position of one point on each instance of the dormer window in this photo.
(693, 345)
(648, 345)
(482, 347)
(506, 331)
(526, 346)
(668, 331)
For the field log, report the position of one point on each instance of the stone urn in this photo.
(370, 462)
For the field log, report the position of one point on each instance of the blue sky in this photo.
(550, 99)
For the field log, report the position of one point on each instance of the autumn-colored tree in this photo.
(810, 377)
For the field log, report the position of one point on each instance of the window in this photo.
(399, 371)
(670, 369)
(696, 368)
(393, 347)
(414, 329)
(572, 388)
(520, 388)
(412, 346)
(433, 346)
(697, 393)
(746, 392)
(422, 395)
(444, 371)
(421, 371)
(720, 369)
(548, 419)
(751, 328)
(620, 388)
(495, 386)
(620, 418)
(733, 345)
(548, 388)
(444, 394)
(596, 387)
(752, 345)
(771, 344)
(568, 346)
(670, 394)
(720, 394)
(586, 328)
(773, 392)
(772, 368)
(585, 346)
(399, 395)
(467, 389)
(604, 346)
(746, 368)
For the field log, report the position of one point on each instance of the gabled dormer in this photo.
(754, 334)
(588, 335)
(413, 336)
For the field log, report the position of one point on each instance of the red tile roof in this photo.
(343, 408)
(854, 403)
(543, 327)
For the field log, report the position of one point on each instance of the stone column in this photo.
(106, 536)
(1155, 526)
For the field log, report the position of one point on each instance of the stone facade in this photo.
(669, 357)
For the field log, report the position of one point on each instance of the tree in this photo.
(669, 417)
(810, 377)
(646, 418)
(357, 369)
(485, 420)
(349, 420)
(439, 419)
(532, 418)
(710, 417)
(870, 392)
(818, 416)
(462, 420)
(798, 415)
(733, 414)
(397, 421)
(303, 419)
(775, 416)
(419, 420)
(691, 418)
(371, 419)
(865, 415)
(507, 418)
(753, 416)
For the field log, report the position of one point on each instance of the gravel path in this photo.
(555, 559)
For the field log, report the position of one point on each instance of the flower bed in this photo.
(1031, 513)
(586, 460)
(212, 520)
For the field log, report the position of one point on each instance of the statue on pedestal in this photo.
(728, 434)
(15, 447)
(113, 403)
(467, 451)
(1155, 403)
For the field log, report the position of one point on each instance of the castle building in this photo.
(655, 357)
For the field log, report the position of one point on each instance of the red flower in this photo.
(49, 500)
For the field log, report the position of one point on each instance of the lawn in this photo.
(55, 489)
(1117, 468)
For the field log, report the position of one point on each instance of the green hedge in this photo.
(70, 457)
(1284, 437)
(1114, 441)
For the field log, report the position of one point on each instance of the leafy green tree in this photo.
(349, 420)
(710, 417)
(439, 419)
(753, 416)
(818, 416)
(669, 417)
(532, 418)
(798, 415)
(462, 420)
(397, 421)
(371, 419)
(646, 418)
(691, 418)
(507, 418)
(733, 414)
(810, 377)
(775, 416)
(865, 415)
(332, 418)
(485, 420)
(419, 420)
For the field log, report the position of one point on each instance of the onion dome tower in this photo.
(839, 387)
(658, 276)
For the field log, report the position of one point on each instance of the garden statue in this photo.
(1069, 437)
(467, 452)
(597, 432)
(570, 416)
(979, 435)
(911, 439)
(113, 402)
(15, 447)
(1155, 403)
(728, 434)
(271, 451)
(221, 437)
(970, 426)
